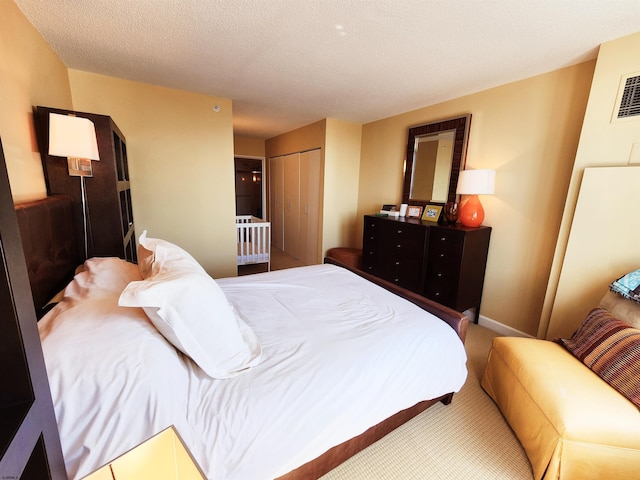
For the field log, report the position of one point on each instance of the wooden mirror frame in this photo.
(461, 125)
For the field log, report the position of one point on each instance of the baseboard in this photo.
(500, 328)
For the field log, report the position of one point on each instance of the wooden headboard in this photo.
(50, 244)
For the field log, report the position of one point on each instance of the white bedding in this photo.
(339, 355)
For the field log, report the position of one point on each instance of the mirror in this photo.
(435, 155)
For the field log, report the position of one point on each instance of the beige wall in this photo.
(341, 179)
(248, 147)
(582, 271)
(180, 160)
(30, 74)
(305, 138)
(528, 132)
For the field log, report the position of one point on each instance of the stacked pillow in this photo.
(628, 286)
(611, 349)
(190, 310)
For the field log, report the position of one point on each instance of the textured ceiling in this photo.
(288, 63)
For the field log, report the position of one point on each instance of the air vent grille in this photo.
(630, 99)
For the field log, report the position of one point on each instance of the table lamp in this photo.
(474, 183)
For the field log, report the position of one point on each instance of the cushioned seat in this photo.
(571, 423)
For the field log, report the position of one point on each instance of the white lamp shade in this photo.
(476, 182)
(72, 137)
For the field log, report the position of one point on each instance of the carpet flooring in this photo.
(468, 439)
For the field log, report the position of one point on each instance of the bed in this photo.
(333, 362)
(253, 240)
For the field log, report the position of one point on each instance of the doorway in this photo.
(250, 192)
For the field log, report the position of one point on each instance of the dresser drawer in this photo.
(395, 250)
(442, 241)
(403, 272)
(443, 265)
(370, 245)
(442, 287)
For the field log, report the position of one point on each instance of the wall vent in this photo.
(628, 97)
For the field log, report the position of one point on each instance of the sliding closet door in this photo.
(276, 201)
(310, 173)
(292, 205)
(294, 201)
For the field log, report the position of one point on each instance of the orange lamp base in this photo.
(472, 213)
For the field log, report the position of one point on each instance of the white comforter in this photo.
(340, 355)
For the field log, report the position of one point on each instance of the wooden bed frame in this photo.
(338, 454)
(52, 255)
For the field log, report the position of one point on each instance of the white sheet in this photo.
(340, 355)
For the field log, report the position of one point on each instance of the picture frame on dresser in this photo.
(432, 213)
(414, 211)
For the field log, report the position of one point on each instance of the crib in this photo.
(253, 239)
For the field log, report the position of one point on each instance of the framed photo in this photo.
(414, 211)
(432, 213)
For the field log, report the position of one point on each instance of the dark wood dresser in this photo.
(443, 263)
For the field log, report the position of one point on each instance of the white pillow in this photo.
(188, 307)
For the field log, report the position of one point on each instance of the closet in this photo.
(294, 201)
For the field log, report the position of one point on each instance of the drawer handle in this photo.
(397, 263)
(437, 294)
(399, 231)
(396, 280)
(438, 274)
(399, 245)
(443, 239)
(441, 255)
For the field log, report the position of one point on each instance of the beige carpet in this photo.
(467, 439)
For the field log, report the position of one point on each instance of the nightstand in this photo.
(162, 457)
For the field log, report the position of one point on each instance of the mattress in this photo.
(340, 354)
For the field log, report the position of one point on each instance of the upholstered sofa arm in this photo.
(571, 423)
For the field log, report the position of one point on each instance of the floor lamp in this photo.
(75, 138)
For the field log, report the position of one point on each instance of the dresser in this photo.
(443, 263)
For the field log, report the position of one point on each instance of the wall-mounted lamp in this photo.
(474, 183)
(75, 138)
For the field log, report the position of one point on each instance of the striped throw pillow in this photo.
(611, 348)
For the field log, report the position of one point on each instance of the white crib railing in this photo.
(253, 239)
